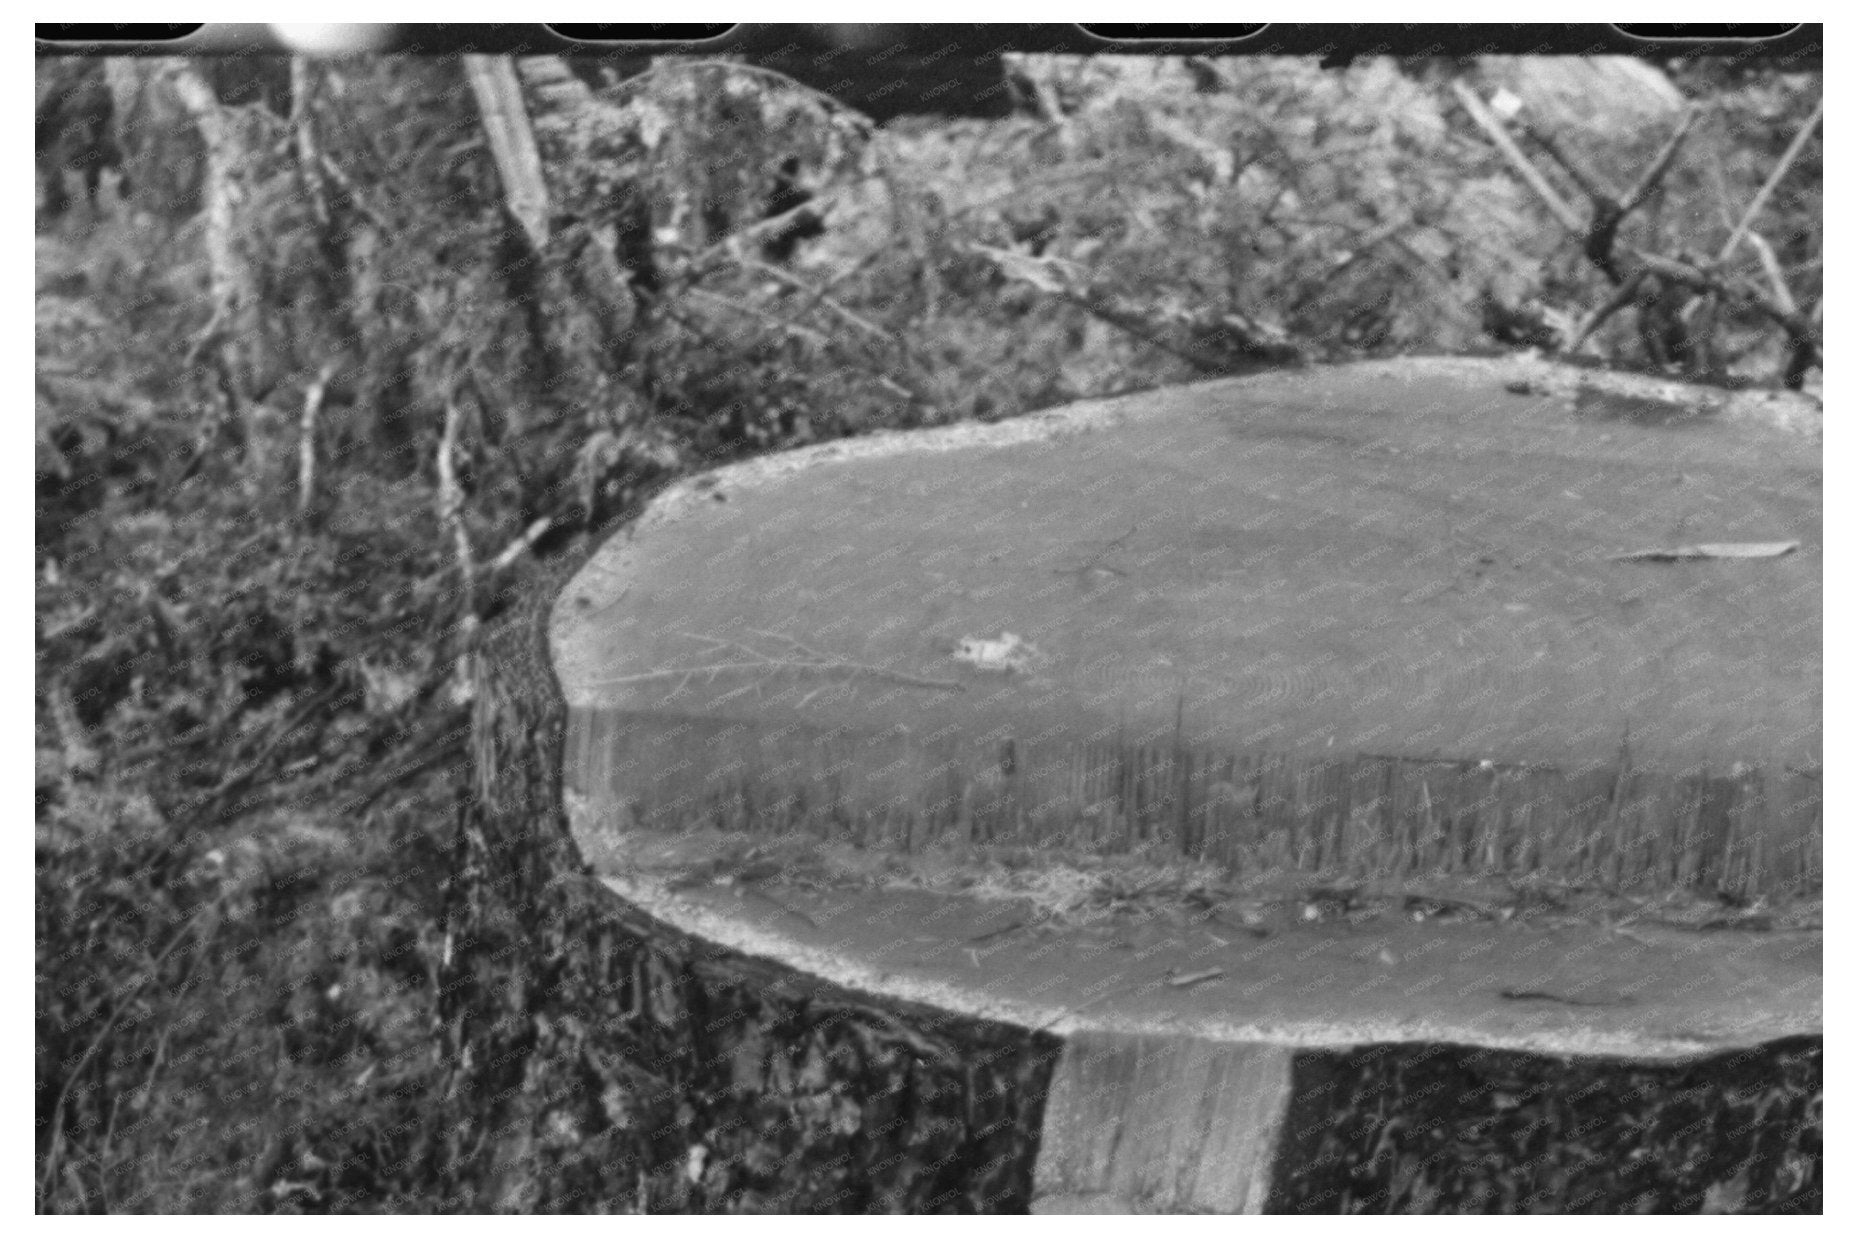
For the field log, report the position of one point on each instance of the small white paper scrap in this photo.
(1005, 652)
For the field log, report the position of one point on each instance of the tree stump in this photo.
(1463, 714)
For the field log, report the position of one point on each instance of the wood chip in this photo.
(1191, 978)
(1707, 550)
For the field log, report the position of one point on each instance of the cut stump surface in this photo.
(1312, 708)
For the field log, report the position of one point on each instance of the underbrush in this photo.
(235, 1019)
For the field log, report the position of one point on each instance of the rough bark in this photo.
(603, 1061)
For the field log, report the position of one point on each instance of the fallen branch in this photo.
(1766, 191)
(451, 505)
(529, 537)
(1215, 343)
(1599, 234)
(1493, 128)
(306, 438)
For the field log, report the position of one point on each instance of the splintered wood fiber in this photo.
(1363, 816)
